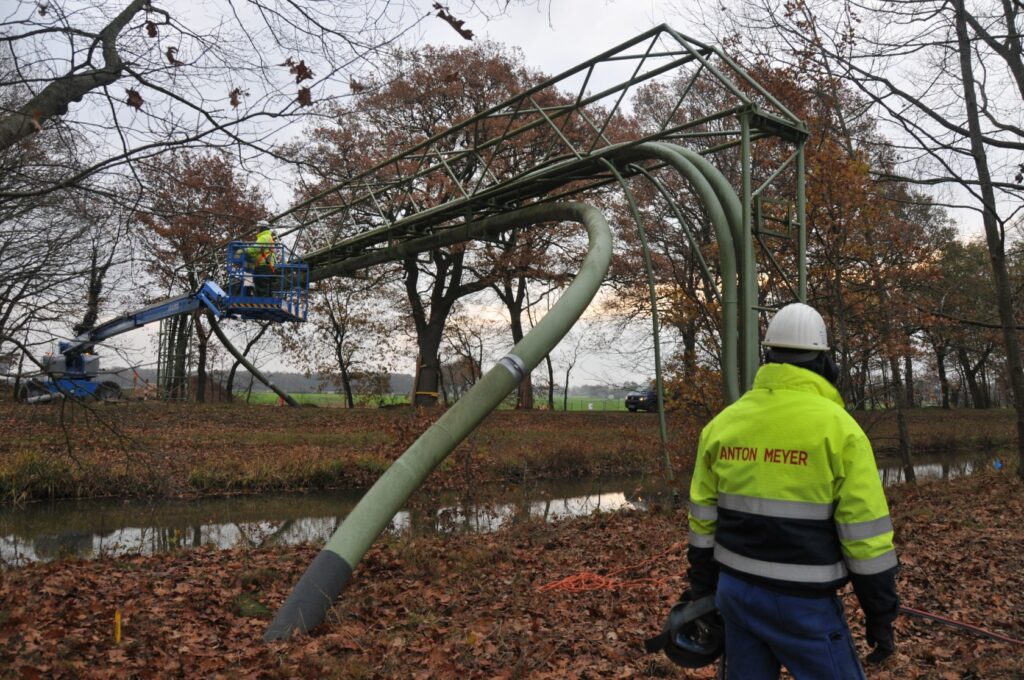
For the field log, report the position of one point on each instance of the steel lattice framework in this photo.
(579, 141)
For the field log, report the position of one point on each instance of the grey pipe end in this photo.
(311, 598)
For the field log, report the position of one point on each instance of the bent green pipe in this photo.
(332, 568)
(746, 272)
(256, 373)
(708, 188)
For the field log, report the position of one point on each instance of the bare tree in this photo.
(348, 335)
(907, 58)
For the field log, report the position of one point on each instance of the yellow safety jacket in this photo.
(785, 492)
(260, 256)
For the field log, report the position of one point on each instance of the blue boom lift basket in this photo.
(276, 292)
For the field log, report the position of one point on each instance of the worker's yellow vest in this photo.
(785, 486)
(262, 256)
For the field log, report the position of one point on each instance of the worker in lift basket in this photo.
(262, 260)
(786, 506)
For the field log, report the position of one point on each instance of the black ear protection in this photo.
(821, 363)
(829, 369)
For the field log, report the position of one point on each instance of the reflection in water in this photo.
(892, 472)
(92, 528)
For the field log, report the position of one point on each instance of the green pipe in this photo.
(745, 271)
(659, 382)
(708, 187)
(705, 271)
(713, 190)
(331, 570)
(256, 373)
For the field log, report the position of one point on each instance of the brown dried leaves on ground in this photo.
(469, 606)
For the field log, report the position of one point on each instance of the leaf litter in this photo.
(473, 605)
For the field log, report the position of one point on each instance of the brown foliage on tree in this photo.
(435, 89)
(194, 204)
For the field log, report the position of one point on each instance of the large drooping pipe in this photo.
(249, 366)
(713, 191)
(739, 318)
(724, 213)
(332, 568)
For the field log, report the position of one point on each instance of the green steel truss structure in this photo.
(724, 156)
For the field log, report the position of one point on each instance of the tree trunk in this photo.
(179, 378)
(346, 385)
(428, 378)
(908, 372)
(940, 363)
(201, 342)
(901, 421)
(551, 382)
(971, 376)
(94, 289)
(993, 232)
(565, 395)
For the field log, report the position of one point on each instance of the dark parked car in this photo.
(644, 400)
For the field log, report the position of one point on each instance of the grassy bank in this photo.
(146, 448)
(469, 605)
(154, 449)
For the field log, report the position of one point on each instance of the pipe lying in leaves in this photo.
(331, 570)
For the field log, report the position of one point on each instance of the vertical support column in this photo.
(748, 321)
(801, 219)
(659, 381)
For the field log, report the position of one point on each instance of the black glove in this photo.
(879, 635)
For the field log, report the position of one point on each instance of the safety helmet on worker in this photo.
(693, 635)
(797, 327)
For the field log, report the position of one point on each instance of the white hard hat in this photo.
(797, 326)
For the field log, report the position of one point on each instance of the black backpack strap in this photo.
(656, 643)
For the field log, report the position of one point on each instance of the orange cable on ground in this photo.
(587, 581)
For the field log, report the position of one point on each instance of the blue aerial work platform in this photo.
(279, 294)
(276, 292)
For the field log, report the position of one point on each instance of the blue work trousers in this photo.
(765, 629)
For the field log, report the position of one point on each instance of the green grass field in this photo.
(332, 399)
(326, 399)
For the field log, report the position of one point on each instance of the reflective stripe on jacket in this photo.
(261, 256)
(785, 489)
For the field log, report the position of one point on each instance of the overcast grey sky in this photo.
(555, 35)
(552, 39)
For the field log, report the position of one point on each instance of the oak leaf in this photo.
(134, 99)
(299, 69)
(457, 24)
(235, 96)
(305, 98)
(151, 29)
(172, 56)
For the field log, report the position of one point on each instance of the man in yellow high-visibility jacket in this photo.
(263, 261)
(786, 506)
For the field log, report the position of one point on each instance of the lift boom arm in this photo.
(209, 295)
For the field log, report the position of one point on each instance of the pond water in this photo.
(91, 528)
